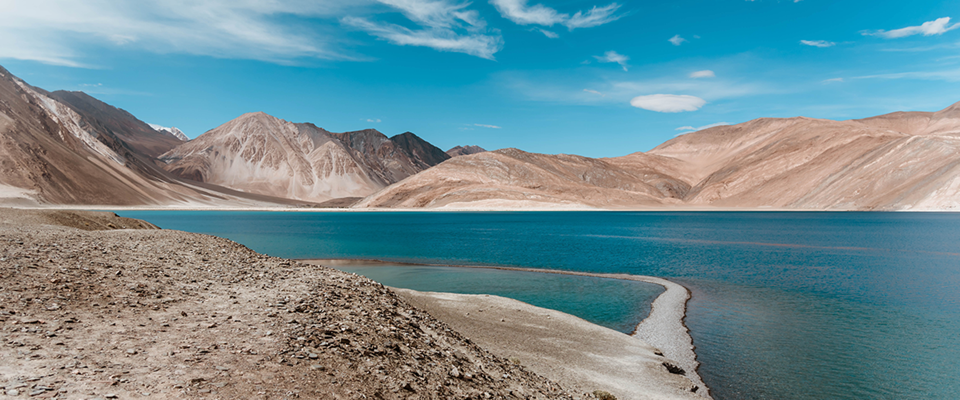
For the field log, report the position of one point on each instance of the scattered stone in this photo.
(673, 368)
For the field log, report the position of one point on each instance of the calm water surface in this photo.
(784, 306)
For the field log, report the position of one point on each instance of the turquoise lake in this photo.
(802, 305)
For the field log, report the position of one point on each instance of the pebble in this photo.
(13, 392)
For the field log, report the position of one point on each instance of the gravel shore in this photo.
(97, 306)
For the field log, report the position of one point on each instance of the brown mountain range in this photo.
(899, 161)
(70, 148)
(259, 153)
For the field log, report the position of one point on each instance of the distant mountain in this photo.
(464, 151)
(170, 130)
(119, 125)
(259, 153)
(69, 148)
(899, 161)
(513, 178)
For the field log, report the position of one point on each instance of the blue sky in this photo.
(589, 77)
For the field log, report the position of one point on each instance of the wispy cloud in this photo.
(703, 74)
(520, 13)
(56, 31)
(372, 120)
(594, 92)
(488, 126)
(444, 26)
(551, 35)
(938, 26)
(614, 57)
(480, 45)
(948, 75)
(694, 129)
(668, 103)
(677, 40)
(818, 43)
(832, 80)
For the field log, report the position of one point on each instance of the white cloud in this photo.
(818, 43)
(833, 80)
(614, 57)
(437, 13)
(703, 74)
(488, 126)
(446, 26)
(938, 26)
(373, 120)
(480, 45)
(55, 31)
(949, 75)
(520, 13)
(548, 34)
(593, 91)
(692, 129)
(668, 103)
(676, 40)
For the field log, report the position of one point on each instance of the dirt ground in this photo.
(97, 306)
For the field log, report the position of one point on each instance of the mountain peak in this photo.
(465, 150)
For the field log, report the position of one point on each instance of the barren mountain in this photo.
(514, 178)
(907, 160)
(890, 162)
(258, 153)
(83, 151)
(464, 151)
(170, 130)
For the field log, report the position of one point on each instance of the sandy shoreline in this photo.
(194, 207)
(663, 328)
(97, 305)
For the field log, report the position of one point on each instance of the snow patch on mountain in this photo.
(171, 130)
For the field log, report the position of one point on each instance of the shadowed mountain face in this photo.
(83, 151)
(120, 125)
(258, 153)
(60, 155)
(890, 162)
(464, 151)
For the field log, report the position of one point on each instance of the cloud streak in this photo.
(55, 31)
(693, 129)
(668, 103)
(817, 43)
(444, 26)
(614, 57)
(938, 26)
(488, 126)
(521, 13)
(703, 74)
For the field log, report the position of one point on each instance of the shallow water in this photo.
(614, 303)
(785, 305)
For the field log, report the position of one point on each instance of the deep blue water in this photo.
(784, 306)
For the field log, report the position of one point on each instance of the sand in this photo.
(579, 355)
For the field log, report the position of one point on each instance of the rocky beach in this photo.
(93, 305)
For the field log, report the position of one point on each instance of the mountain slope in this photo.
(514, 178)
(259, 153)
(120, 125)
(52, 153)
(891, 162)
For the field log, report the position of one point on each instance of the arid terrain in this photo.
(899, 161)
(97, 306)
(68, 148)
